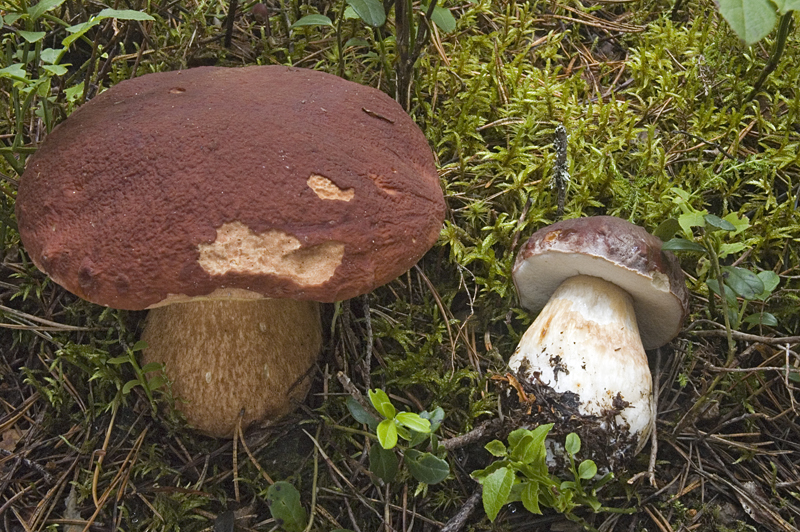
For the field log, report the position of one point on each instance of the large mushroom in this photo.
(606, 292)
(231, 201)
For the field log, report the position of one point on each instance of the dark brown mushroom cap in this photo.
(261, 181)
(617, 251)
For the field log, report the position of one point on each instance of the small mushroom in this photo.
(606, 292)
(230, 201)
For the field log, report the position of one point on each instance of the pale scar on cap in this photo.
(238, 249)
(326, 189)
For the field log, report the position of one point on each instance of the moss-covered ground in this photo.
(656, 104)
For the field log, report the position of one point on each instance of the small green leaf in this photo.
(354, 42)
(152, 366)
(752, 20)
(51, 56)
(730, 248)
(141, 345)
(730, 296)
(481, 474)
(436, 417)
(116, 361)
(383, 463)
(587, 470)
(387, 433)
(496, 448)
(784, 6)
(361, 414)
(515, 436)
(32, 36)
(413, 421)
(770, 280)
(425, 467)
(572, 444)
(156, 382)
(14, 71)
(124, 14)
(225, 522)
(667, 229)
(312, 20)
(284, 504)
(530, 497)
(382, 404)
(718, 223)
(55, 70)
(739, 223)
(10, 18)
(526, 450)
(72, 94)
(370, 11)
(593, 503)
(130, 385)
(744, 282)
(691, 219)
(403, 432)
(443, 18)
(78, 30)
(41, 7)
(496, 489)
(540, 433)
(764, 318)
(681, 244)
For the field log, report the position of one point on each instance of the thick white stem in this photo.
(586, 341)
(227, 356)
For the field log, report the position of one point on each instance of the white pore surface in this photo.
(586, 341)
(659, 312)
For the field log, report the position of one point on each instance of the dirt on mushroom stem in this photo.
(529, 403)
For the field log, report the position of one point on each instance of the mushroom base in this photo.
(604, 438)
(225, 357)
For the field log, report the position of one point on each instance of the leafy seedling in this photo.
(711, 236)
(521, 474)
(427, 467)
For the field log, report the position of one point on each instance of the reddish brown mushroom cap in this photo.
(260, 181)
(615, 250)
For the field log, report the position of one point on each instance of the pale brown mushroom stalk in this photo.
(606, 292)
(230, 201)
(275, 343)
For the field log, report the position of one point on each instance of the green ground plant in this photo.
(521, 473)
(427, 467)
(32, 65)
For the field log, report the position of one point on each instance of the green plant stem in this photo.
(712, 251)
(731, 357)
(313, 511)
(404, 22)
(387, 68)
(355, 431)
(339, 45)
(784, 28)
